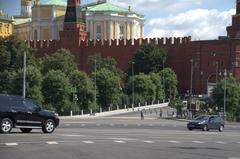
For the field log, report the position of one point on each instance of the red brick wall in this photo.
(180, 52)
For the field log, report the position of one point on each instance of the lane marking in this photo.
(52, 143)
(173, 141)
(98, 124)
(120, 141)
(72, 135)
(220, 142)
(125, 124)
(163, 125)
(238, 142)
(234, 158)
(83, 124)
(11, 144)
(126, 139)
(149, 142)
(88, 142)
(112, 125)
(198, 142)
(138, 124)
(150, 124)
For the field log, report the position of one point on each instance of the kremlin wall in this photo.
(209, 58)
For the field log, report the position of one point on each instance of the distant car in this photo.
(206, 123)
(18, 112)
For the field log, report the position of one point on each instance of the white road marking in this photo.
(176, 142)
(88, 142)
(11, 144)
(198, 142)
(125, 124)
(234, 158)
(52, 143)
(120, 141)
(138, 124)
(72, 135)
(149, 142)
(83, 124)
(111, 124)
(162, 124)
(238, 142)
(98, 124)
(150, 124)
(126, 139)
(220, 142)
(175, 126)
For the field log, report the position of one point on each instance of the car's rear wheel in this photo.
(205, 128)
(221, 128)
(26, 130)
(6, 125)
(48, 126)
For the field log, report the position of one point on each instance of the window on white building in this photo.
(99, 32)
(121, 32)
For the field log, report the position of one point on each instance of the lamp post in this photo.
(24, 75)
(95, 85)
(133, 83)
(191, 85)
(216, 71)
(225, 74)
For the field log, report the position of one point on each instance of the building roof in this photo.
(107, 7)
(55, 2)
(21, 20)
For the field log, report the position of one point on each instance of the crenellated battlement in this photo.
(39, 44)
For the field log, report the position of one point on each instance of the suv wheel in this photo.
(26, 130)
(6, 125)
(205, 128)
(48, 126)
(221, 128)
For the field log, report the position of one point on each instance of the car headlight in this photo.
(56, 114)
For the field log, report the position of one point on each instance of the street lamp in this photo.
(95, 85)
(191, 85)
(24, 74)
(225, 74)
(133, 83)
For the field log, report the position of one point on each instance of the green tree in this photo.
(62, 60)
(232, 97)
(178, 104)
(6, 80)
(170, 82)
(56, 90)
(144, 88)
(108, 85)
(158, 82)
(11, 53)
(85, 89)
(149, 56)
(108, 63)
(33, 83)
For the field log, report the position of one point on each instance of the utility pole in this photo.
(216, 72)
(24, 75)
(133, 100)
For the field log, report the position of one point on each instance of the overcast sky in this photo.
(201, 19)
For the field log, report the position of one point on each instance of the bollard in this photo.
(109, 109)
(163, 100)
(125, 107)
(82, 112)
(100, 110)
(139, 105)
(91, 111)
(132, 107)
(71, 113)
(117, 107)
(152, 102)
(145, 103)
(158, 101)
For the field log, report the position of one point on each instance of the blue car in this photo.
(206, 123)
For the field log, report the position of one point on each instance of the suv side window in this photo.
(17, 105)
(30, 105)
(4, 104)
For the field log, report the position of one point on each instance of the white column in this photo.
(110, 30)
(91, 30)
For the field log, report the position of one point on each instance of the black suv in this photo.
(23, 113)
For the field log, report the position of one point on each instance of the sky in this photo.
(201, 19)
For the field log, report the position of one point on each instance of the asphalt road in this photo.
(122, 137)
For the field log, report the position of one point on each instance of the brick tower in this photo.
(74, 28)
(234, 30)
